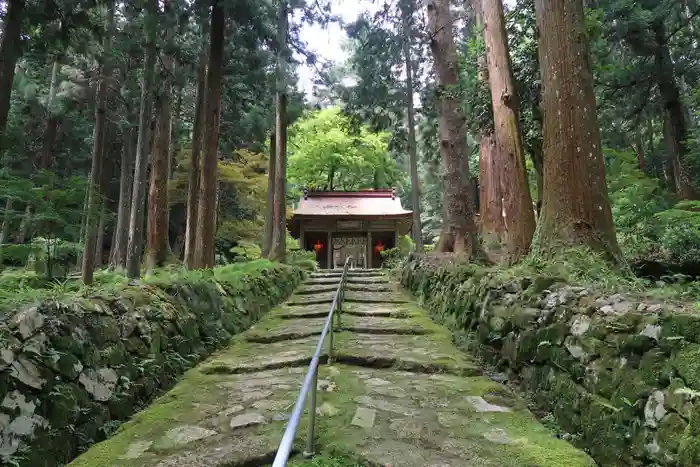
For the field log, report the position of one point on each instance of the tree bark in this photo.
(46, 156)
(135, 245)
(95, 198)
(196, 154)
(206, 210)
(5, 229)
(126, 181)
(417, 229)
(10, 51)
(459, 231)
(675, 114)
(270, 208)
(491, 221)
(157, 232)
(278, 244)
(576, 209)
(158, 247)
(516, 207)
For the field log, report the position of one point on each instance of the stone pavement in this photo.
(399, 394)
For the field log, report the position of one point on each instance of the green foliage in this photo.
(325, 154)
(302, 259)
(394, 257)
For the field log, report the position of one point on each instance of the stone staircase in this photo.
(398, 394)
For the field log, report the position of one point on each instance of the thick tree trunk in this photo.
(196, 154)
(135, 245)
(107, 171)
(158, 246)
(417, 228)
(126, 182)
(459, 231)
(278, 244)
(206, 210)
(576, 209)
(46, 156)
(677, 124)
(491, 198)
(157, 250)
(10, 51)
(516, 209)
(98, 156)
(270, 208)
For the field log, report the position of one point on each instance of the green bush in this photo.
(302, 259)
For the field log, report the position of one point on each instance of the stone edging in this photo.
(619, 373)
(72, 370)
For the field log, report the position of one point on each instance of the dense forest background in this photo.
(139, 134)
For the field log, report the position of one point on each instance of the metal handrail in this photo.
(311, 381)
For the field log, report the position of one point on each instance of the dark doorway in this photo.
(381, 241)
(317, 241)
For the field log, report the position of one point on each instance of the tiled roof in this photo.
(351, 203)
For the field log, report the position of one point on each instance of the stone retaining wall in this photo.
(619, 373)
(72, 370)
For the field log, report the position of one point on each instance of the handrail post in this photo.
(330, 343)
(312, 417)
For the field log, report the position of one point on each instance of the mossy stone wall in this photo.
(72, 370)
(620, 373)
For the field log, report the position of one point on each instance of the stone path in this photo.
(399, 394)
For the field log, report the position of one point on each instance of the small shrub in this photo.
(302, 259)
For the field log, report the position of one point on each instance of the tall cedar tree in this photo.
(270, 208)
(126, 183)
(576, 208)
(138, 197)
(407, 9)
(206, 210)
(158, 206)
(10, 51)
(509, 156)
(98, 153)
(196, 154)
(458, 231)
(278, 243)
(675, 117)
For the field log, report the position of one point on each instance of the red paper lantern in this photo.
(380, 247)
(318, 246)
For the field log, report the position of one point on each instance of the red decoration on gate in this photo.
(318, 246)
(380, 247)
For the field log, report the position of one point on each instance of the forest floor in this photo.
(399, 394)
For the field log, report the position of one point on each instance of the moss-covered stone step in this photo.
(386, 310)
(350, 296)
(414, 420)
(385, 417)
(207, 420)
(350, 273)
(276, 330)
(350, 280)
(251, 357)
(322, 288)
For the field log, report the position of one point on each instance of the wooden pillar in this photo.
(330, 250)
(302, 244)
(369, 250)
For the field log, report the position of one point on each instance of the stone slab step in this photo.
(310, 289)
(294, 329)
(350, 280)
(355, 309)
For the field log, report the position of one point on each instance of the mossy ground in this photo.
(422, 417)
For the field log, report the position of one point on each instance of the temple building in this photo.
(336, 224)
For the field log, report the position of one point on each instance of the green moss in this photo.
(687, 363)
(689, 449)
